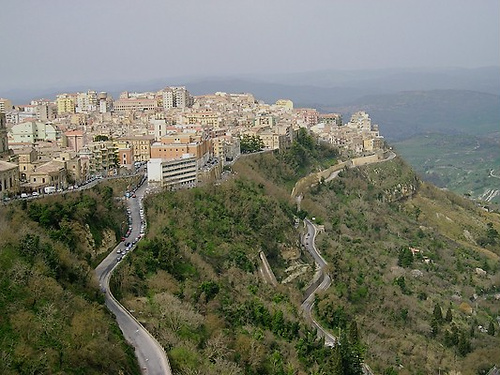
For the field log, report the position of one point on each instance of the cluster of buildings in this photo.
(183, 139)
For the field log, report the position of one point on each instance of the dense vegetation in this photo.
(417, 267)
(399, 251)
(52, 316)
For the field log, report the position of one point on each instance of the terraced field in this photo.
(464, 164)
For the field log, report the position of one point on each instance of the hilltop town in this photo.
(54, 145)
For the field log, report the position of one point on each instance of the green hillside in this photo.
(52, 315)
(194, 281)
(464, 164)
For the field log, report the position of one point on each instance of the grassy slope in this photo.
(52, 316)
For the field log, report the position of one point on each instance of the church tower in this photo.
(4, 147)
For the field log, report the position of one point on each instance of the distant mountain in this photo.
(327, 88)
(405, 114)
(486, 79)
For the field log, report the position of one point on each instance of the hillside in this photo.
(194, 281)
(52, 316)
(461, 163)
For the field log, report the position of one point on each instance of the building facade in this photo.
(173, 174)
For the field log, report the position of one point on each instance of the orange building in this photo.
(176, 146)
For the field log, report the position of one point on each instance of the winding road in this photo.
(308, 240)
(150, 354)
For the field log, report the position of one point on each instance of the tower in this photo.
(4, 147)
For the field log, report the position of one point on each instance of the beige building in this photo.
(141, 146)
(72, 165)
(26, 159)
(285, 104)
(74, 140)
(9, 179)
(101, 157)
(51, 173)
(203, 118)
(330, 119)
(134, 105)
(5, 105)
(274, 141)
(265, 121)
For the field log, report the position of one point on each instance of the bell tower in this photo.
(4, 147)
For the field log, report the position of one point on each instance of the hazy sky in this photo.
(63, 42)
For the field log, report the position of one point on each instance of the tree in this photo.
(464, 346)
(434, 327)
(250, 143)
(405, 257)
(449, 317)
(491, 328)
(101, 138)
(438, 314)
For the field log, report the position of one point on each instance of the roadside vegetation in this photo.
(52, 315)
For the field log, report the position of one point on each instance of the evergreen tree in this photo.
(434, 327)
(405, 257)
(464, 346)
(353, 333)
(491, 328)
(449, 316)
(335, 361)
(438, 314)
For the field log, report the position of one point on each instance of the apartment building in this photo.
(203, 118)
(86, 101)
(33, 131)
(72, 166)
(285, 104)
(332, 119)
(306, 116)
(176, 97)
(100, 158)
(264, 120)
(226, 148)
(141, 146)
(5, 105)
(66, 104)
(173, 174)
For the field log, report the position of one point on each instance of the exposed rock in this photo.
(417, 273)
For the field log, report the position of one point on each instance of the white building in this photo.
(173, 174)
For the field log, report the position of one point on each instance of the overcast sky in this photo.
(63, 42)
